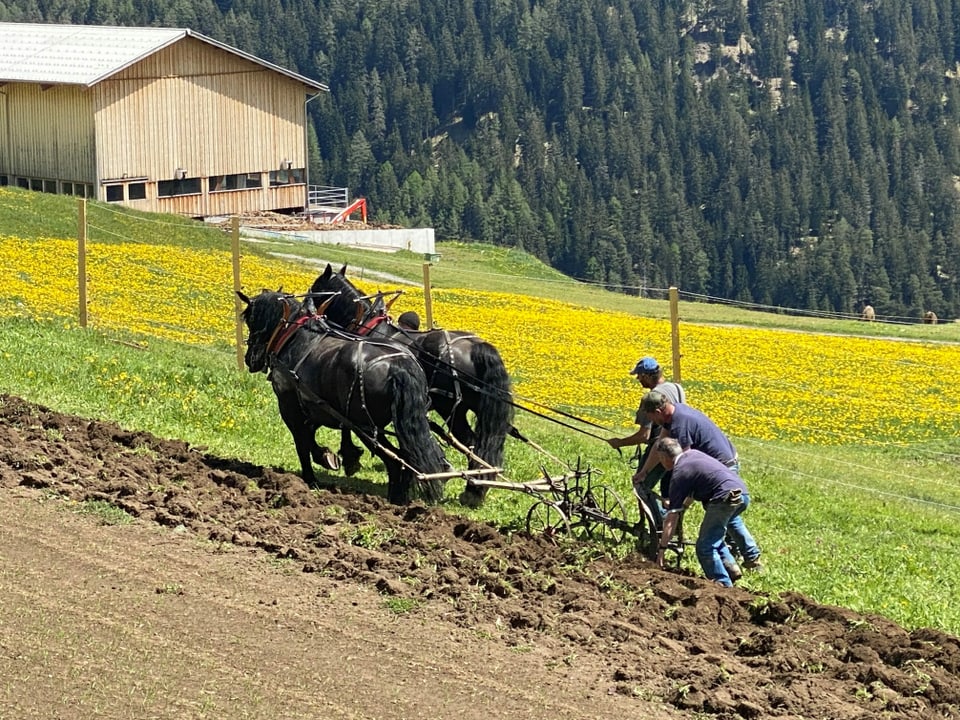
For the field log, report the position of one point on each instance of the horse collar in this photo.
(283, 333)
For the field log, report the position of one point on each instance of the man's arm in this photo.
(653, 459)
(640, 436)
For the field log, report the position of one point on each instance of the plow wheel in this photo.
(603, 516)
(547, 519)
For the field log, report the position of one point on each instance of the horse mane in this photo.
(261, 309)
(350, 305)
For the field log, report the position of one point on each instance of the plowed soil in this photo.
(236, 592)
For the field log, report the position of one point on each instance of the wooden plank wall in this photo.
(50, 132)
(4, 127)
(195, 107)
(190, 106)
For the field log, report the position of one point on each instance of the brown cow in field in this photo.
(929, 318)
(868, 313)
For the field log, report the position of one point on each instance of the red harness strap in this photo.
(280, 338)
(365, 328)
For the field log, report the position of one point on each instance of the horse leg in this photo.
(460, 426)
(304, 441)
(303, 432)
(349, 452)
(398, 482)
(324, 456)
(472, 495)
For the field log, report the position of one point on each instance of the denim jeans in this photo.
(720, 519)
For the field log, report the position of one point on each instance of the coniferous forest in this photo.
(798, 153)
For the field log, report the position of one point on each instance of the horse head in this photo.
(264, 315)
(348, 305)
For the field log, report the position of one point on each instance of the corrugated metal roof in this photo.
(87, 54)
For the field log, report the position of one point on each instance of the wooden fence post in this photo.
(427, 297)
(238, 304)
(675, 332)
(82, 258)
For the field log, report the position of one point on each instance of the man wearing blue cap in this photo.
(650, 375)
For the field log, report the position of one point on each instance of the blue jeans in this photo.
(719, 520)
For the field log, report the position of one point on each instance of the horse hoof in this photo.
(329, 460)
(352, 467)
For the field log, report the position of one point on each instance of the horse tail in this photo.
(494, 413)
(418, 447)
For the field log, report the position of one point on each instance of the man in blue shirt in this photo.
(650, 375)
(700, 477)
(688, 426)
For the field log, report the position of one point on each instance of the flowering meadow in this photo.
(755, 383)
(866, 520)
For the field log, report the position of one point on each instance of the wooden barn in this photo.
(158, 119)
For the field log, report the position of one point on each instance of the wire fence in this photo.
(184, 291)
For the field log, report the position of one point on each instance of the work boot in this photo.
(754, 564)
(733, 570)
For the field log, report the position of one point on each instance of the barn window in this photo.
(187, 186)
(50, 186)
(23, 183)
(293, 176)
(137, 191)
(239, 181)
(36, 184)
(114, 193)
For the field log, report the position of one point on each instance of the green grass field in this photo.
(872, 525)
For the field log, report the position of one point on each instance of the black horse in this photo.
(323, 377)
(465, 373)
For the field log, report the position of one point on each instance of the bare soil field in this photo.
(237, 592)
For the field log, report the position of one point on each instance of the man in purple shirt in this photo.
(700, 477)
(688, 426)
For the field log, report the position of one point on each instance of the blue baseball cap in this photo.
(646, 366)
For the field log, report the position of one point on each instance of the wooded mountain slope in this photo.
(785, 152)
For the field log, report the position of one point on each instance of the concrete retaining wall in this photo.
(418, 240)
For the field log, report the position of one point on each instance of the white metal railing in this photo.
(327, 196)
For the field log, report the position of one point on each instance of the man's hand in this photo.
(638, 477)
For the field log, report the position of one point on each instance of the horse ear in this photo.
(324, 305)
(343, 270)
(327, 273)
(320, 281)
(243, 297)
